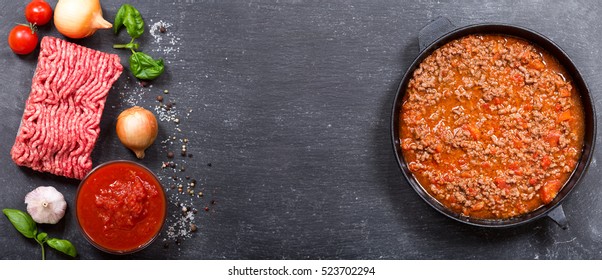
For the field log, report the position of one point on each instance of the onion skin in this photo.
(137, 129)
(78, 19)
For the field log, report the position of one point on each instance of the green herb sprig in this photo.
(142, 65)
(28, 228)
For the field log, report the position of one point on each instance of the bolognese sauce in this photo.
(491, 126)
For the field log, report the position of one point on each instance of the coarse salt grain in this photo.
(167, 42)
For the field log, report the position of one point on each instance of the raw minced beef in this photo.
(60, 123)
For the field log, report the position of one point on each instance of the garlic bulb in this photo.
(79, 18)
(46, 205)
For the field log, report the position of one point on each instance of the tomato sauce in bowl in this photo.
(120, 207)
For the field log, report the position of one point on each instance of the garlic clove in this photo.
(46, 205)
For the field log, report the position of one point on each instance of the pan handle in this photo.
(432, 31)
(557, 215)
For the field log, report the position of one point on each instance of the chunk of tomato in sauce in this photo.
(516, 168)
(518, 144)
(501, 183)
(474, 131)
(564, 92)
(536, 64)
(497, 101)
(546, 162)
(564, 116)
(486, 107)
(553, 138)
(558, 107)
(549, 191)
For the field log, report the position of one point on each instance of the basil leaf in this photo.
(144, 67)
(134, 24)
(119, 19)
(129, 17)
(22, 222)
(63, 246)
(41, 237)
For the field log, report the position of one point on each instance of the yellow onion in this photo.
(79, 18)
(137, 129)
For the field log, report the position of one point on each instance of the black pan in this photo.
(442, 31)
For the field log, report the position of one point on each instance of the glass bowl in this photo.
(121, 207)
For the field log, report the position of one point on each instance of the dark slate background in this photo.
(289, 101)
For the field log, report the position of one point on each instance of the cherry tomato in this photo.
(22, 39)
(38, 12)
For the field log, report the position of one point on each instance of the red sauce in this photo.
(492, 126)
(121, 207)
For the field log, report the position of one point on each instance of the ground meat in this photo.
(61, 119)
(491, 126)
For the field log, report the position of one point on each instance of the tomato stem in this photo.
(31, 26)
